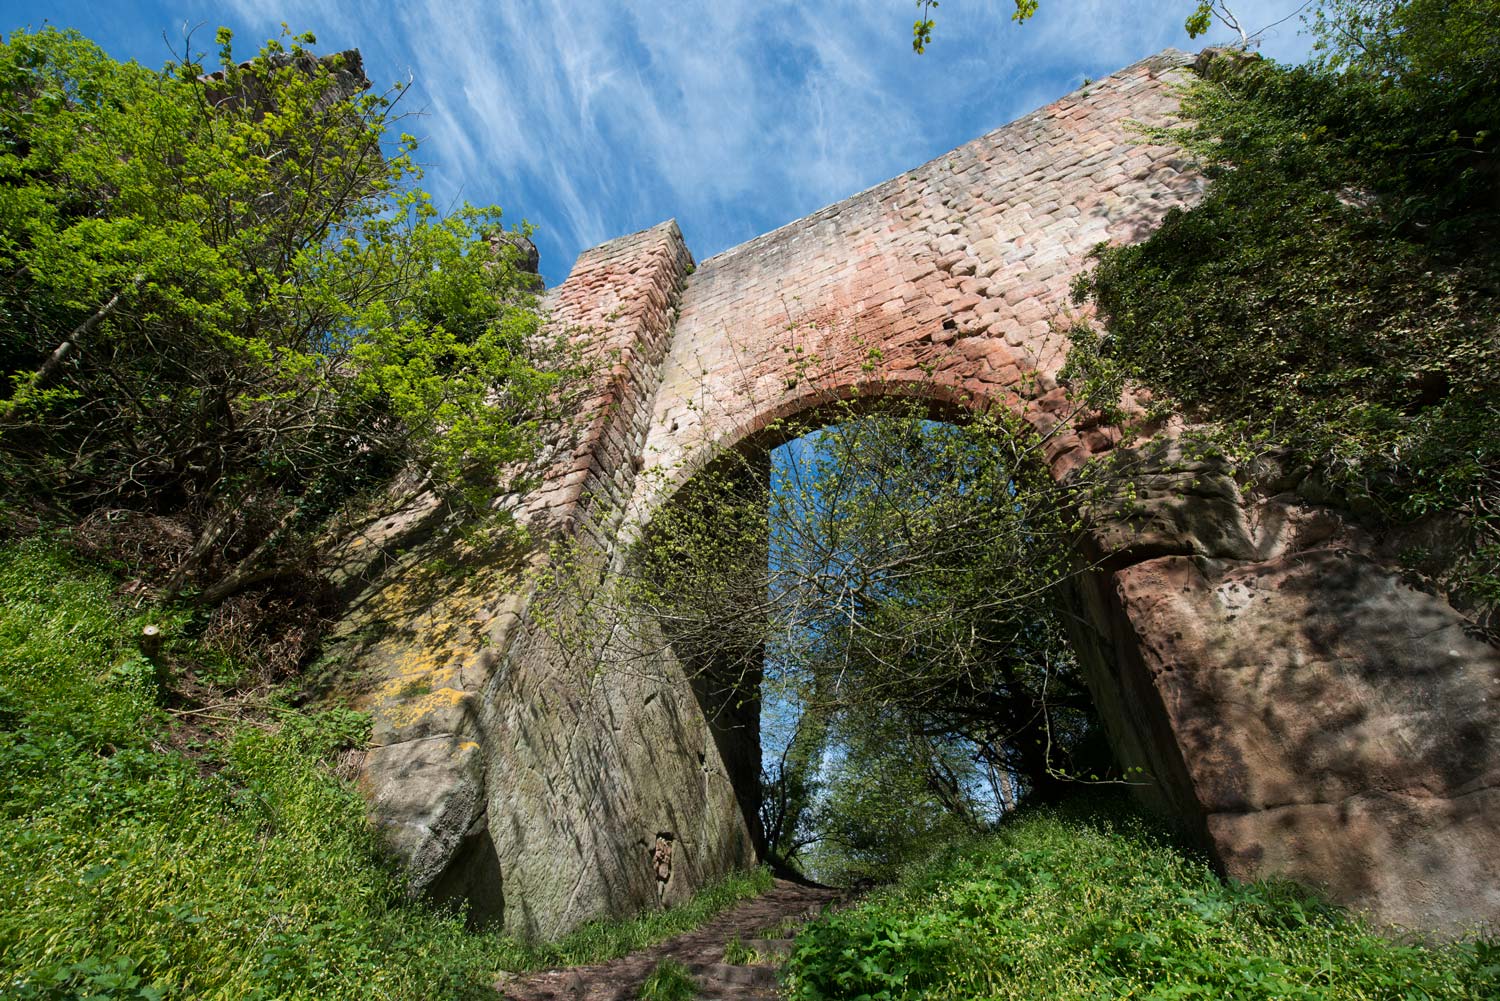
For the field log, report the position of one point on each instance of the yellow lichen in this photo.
(417, 676)
(412, 710)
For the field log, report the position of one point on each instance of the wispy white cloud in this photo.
(593, 118)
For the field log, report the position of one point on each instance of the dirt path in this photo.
(762, 923)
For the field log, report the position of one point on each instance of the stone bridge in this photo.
(1301, 710)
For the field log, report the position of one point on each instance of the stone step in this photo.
(739, 976)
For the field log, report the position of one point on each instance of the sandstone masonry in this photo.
(1299, 708)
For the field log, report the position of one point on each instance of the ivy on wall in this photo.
(1333, 297)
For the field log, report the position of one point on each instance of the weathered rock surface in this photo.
(1308, 712)
(1338, 726)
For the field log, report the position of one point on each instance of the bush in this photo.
(1064, 903)
(226, 309)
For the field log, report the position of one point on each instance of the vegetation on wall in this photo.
(1332, 301)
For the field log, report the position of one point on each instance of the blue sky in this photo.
(591, 119)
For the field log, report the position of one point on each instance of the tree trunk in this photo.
(248, 571)
(69, 343)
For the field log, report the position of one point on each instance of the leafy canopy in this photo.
(224, 297)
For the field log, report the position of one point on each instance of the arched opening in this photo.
(878, 602)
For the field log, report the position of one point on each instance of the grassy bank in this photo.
(142, 858)
(1091, 904)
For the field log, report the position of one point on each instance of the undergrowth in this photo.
(131, 869)
(670, 981)
(1067, 903)
(737, 953)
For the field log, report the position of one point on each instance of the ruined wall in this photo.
(1333, 723)
(1297, 705)
(522, 761)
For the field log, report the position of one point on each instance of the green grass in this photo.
(737, 953)
(787, 927)
(129, 870)
(1074, 904)
(670, 981)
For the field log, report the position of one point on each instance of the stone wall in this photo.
(1296, 705)
(1310, 713)
(957, 272)
(519, 761)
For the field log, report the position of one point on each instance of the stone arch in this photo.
(1315, 715)
(773, 426)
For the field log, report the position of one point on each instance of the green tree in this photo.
(919, 569)
(791, 790)
(224, 299)
(899, 583)
(891, 796)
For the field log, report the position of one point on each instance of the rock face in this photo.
(1334, 724)
(1352, 743)
(1293, 702)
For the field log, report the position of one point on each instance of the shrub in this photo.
(1064, 903)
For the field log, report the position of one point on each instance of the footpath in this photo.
(763, 925)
